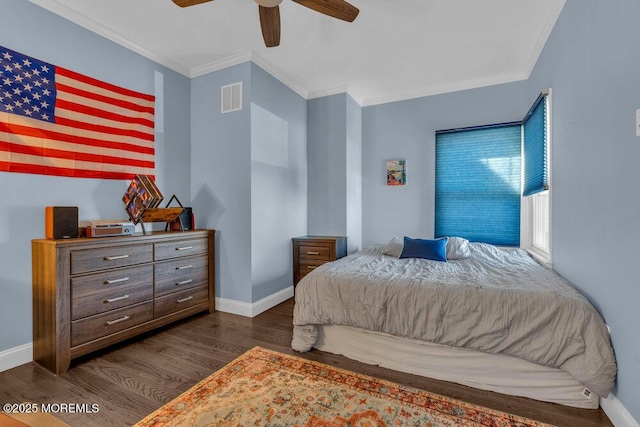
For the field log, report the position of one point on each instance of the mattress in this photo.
(493, 372)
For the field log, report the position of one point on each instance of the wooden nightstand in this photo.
(310, 252)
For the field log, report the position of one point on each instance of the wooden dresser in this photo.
(89, 293)
(310, 252)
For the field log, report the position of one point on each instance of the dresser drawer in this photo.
(180, 248)
(180, 274)
(99, 326)
(315, 251)
(101, 292)
(86, 260)
(181, 300)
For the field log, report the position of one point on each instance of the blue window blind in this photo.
(534, 128)
(478, 178)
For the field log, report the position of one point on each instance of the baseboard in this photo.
(16, 356)
(24, 353)
(251, 310)
(617, 413)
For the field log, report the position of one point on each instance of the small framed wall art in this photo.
(396, 172)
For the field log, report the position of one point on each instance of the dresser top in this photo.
(136, 238)
(329, 238)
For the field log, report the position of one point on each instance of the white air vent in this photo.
(231, 97)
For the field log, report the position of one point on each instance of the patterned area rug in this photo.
(267, 388)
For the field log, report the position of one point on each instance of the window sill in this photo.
(540, 256)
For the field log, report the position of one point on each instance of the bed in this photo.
(491, 318)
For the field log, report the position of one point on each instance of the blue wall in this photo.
(406, 130)
(254, 198)
(278, 181)
(590, 64)
(335, 168)
(31, 30)
(354, 175)
(588, 61)
(221, 177)
(327, 165)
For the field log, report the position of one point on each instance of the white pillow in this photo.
(394, 247)
(457, 248)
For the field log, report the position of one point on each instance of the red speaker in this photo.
(61, 222)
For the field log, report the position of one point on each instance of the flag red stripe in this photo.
(85, 109)
(72, 155)
(85, 79)
(104, 129)
(68, 172)
(102, 98)
(58, 136)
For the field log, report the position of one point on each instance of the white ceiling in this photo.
(395, 49)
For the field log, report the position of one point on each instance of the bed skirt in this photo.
(494, 372)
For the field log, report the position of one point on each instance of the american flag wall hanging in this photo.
(54, 121)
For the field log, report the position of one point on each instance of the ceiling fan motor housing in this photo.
(268, 3)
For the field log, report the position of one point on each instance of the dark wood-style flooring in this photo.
(132, 379)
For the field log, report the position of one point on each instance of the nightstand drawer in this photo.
(307, 267)
(181, 300)
(99, 326)
(314, 252)
(87, 260)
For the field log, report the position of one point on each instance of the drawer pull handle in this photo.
(184, 267)
(184, 248)
(185, 299)
(311, 267)
(112, 281)
(113, 322)
(313, 253)
(113, 258)
(110, 300)
(184, 282)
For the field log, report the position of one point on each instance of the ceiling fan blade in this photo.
(185, 3)
(270, 24)
(335, 8)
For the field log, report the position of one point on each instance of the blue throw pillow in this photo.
(422, 248)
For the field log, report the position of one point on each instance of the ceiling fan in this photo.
(270, 14)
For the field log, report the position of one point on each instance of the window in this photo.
(536, 209)
(493, 183)
(478, 183)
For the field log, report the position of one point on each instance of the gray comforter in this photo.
(495, 301)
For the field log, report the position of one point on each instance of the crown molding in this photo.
(550, 22)
(320, 93)
(286, 78)
(59, 9)
(229, 61)
(441, 89)
(281, 75)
